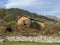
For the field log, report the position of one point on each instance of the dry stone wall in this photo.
(43, 39)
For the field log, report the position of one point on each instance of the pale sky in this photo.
(44, 7)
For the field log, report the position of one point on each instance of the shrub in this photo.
(35, 25)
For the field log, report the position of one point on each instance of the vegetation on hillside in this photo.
(9, 15)
(8, 18)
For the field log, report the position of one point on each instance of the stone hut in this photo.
(25, 20)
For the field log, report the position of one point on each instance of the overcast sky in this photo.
(44, 7)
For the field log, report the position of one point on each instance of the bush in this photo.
(35, 25)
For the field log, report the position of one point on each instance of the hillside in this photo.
(13, 13)
(8, 23)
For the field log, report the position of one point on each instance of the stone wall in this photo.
(42, 39)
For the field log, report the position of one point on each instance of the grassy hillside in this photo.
(13, 13)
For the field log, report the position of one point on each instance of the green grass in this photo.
(28, 43)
